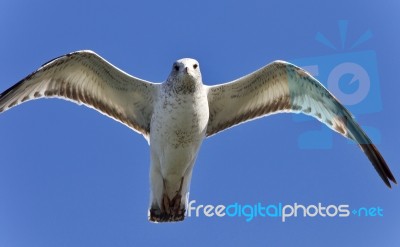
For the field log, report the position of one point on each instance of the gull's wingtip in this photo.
(379, 163)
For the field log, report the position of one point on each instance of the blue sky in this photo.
(71, 177)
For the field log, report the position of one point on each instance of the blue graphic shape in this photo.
(324, 40)
(343, 24)
(316, 139)
(348, 83)
(363, 38)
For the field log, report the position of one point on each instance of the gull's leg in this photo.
(176, 201)
(166, 202)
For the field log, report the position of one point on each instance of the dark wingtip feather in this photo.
(12, 88)
(379, 163)
(370, 150)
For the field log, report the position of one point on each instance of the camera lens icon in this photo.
(349, 82)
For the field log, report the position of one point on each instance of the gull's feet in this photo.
(171, 210)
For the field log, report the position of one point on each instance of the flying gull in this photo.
(177, 115)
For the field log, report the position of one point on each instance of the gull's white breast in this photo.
(177, 129)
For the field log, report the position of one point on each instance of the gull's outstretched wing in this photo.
(85, 78)
(283, 87)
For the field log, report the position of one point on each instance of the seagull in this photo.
(175, 116)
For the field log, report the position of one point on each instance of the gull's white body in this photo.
(177, 129)
(176, 115)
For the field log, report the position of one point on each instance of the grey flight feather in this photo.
(284, 87)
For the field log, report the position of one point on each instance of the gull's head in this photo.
(186, 70)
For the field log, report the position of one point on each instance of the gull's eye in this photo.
(195, 66)
(176, 67)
